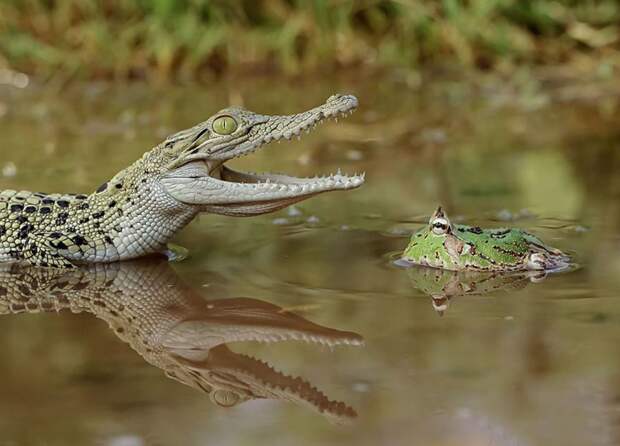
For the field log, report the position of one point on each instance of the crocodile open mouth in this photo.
(277, 129)
(206, 180)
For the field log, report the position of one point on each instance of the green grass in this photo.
(165, 39)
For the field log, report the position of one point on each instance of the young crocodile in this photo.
(175, 329)
(144, 205)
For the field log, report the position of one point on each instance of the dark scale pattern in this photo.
(47, 230)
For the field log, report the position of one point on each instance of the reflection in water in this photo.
(443, 285)
(172, 327)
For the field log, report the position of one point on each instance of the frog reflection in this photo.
(173, 328)
(443, 285)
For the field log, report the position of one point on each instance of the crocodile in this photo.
(174, 328)
(142, 207)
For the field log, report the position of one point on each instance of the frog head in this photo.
(436, 244)
(439, 223)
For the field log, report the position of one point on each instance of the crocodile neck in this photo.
(173, 328)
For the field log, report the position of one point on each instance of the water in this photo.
(517, 362)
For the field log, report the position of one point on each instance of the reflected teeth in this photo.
(309, 338)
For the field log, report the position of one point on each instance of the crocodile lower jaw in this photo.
(336, 181)
(215, 188)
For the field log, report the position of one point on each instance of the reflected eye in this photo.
(225, 398)
(224, 125)
(440, 226)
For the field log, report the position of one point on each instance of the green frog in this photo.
(455, 247)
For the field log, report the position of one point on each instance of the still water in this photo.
(299, 321)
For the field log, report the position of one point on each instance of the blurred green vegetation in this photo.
(193, 39)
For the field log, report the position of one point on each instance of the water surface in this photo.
(532, 364)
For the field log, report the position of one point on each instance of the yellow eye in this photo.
(224, 125)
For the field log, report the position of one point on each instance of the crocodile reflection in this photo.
(443, 285)
(173, 328)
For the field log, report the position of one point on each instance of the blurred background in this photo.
(188, 40)
(504, 111)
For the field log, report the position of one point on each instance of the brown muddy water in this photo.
(509, 362)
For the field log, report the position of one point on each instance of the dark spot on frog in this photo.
(17, 208)
(500, 234)
(102, 188)
(475, 230)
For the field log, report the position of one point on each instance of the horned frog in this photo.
(455, 247)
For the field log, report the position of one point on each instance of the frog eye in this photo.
(224, 125)
(440, 226)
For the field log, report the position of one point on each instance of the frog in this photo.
(443, 285)
(457, 247)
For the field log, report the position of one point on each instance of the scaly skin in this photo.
(460, 247)
(139, 210)
(176, 330)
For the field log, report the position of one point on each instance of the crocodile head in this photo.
(195, 170)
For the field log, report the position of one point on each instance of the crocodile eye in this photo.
(439, 226)
(224, 125)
